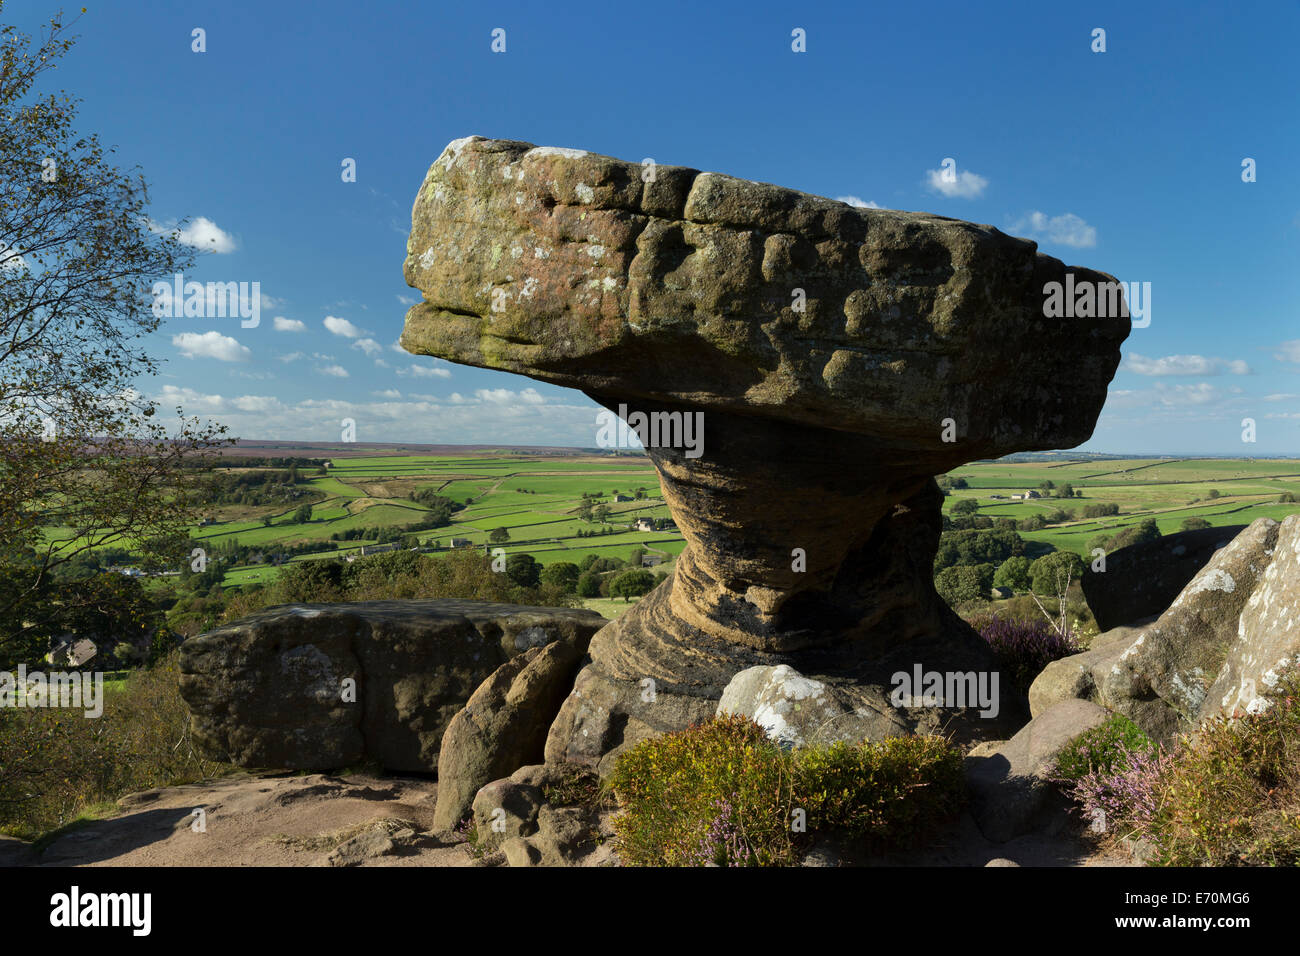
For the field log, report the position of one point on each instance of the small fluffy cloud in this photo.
(291, 357)
(289, 325)
(369, 346)
(388, 393)
(499, 396)
(211, 345)
(188, 398)
(1185, 365)
(342, 327)
(1203, 393)
(335, 371)
(202, 233)
(1288, 351)
(956, 185)
(859, 203)
(407, 300)
(256, 403)
(1064, 230)
(425, 371)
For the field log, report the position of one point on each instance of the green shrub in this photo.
(1228, 795)
(1232, 793)
(1104, 749)
(55, 763)
(892, 792)
(722, 792)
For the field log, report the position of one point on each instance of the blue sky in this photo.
(1128, 161)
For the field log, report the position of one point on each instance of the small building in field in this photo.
(461, 542)
(618, 498)
(643, 524)
(651, 560)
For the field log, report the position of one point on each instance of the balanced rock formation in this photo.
(269, 690)
(1218, 649)
(798, 369)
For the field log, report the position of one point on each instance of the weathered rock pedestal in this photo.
(840, 358)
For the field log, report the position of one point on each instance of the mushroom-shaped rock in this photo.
(798, 370)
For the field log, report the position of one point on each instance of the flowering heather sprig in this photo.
(1127, 797)
(1024, 648)
(722, 840)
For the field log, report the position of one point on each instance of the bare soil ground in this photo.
(323, 820)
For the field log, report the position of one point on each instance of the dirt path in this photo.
(280, 820)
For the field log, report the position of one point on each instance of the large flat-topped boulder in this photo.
(269, 689)
(836, 358)
(568, 267)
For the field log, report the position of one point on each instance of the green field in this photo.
(1168, 490)
(535, 499)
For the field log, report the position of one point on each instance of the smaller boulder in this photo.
(502, 727)
(797, 711)
(1011, 789)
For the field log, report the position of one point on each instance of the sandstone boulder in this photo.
(1011, 789)
(532, 818)
(1142, 580)
(797, 711)
(503, 726)
(269, 690)
(799, 369)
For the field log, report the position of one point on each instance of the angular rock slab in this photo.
(839, 358)
(267, 690)
(1142, 580)
(1217, 649)
(503, 726)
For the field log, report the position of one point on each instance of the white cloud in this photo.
(407, 300)
(189, 399)
(289, 325)
(291, 357)
(380, 363)
(201, 233)
(336, 371)
(964, 185)
(211, 345)
(1203, 393)
(1280, 397)
(1288, 351)
(388, 393)
(1185, 365)
(425, 371)
(397, 347)
(369, 346)
(858, 203)
(342, 327)
(256, 403)
(1064, 230)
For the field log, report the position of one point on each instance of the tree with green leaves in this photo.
(631, 584)
(498, 536)
(1013, 573)
(84, 463)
